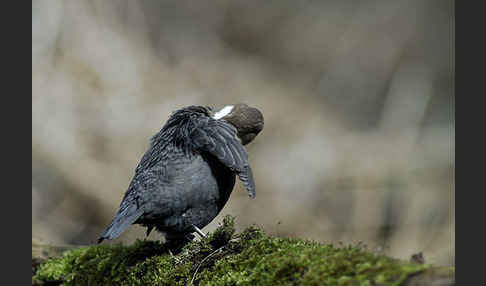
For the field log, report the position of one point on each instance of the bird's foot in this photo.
(176, 243)
(189, 237)
(149, 229)
(199, 231)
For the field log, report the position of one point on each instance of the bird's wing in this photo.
(219, 138)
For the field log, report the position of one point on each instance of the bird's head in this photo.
(247, 120)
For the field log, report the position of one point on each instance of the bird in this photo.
(187, 174)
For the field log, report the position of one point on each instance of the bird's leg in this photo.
(199, 231)
(149, 229)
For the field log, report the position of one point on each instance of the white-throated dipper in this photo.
(188, 172)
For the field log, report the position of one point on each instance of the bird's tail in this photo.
(127, 215)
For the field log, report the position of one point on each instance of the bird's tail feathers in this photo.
(125, 217)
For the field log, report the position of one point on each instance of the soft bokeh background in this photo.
(358, 99)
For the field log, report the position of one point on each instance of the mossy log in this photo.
(226, 258)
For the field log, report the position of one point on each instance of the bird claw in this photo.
(199, 231)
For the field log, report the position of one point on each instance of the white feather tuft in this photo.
(223, 112)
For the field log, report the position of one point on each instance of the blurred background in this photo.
(358, 100)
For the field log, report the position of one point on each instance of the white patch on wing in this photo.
(223, 112)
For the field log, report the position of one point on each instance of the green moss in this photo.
(223, 233)
(223, 258)
(283, 261)
(97, 265)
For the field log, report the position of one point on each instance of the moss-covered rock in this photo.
(223, 258)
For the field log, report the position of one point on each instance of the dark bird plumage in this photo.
(188, 173)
